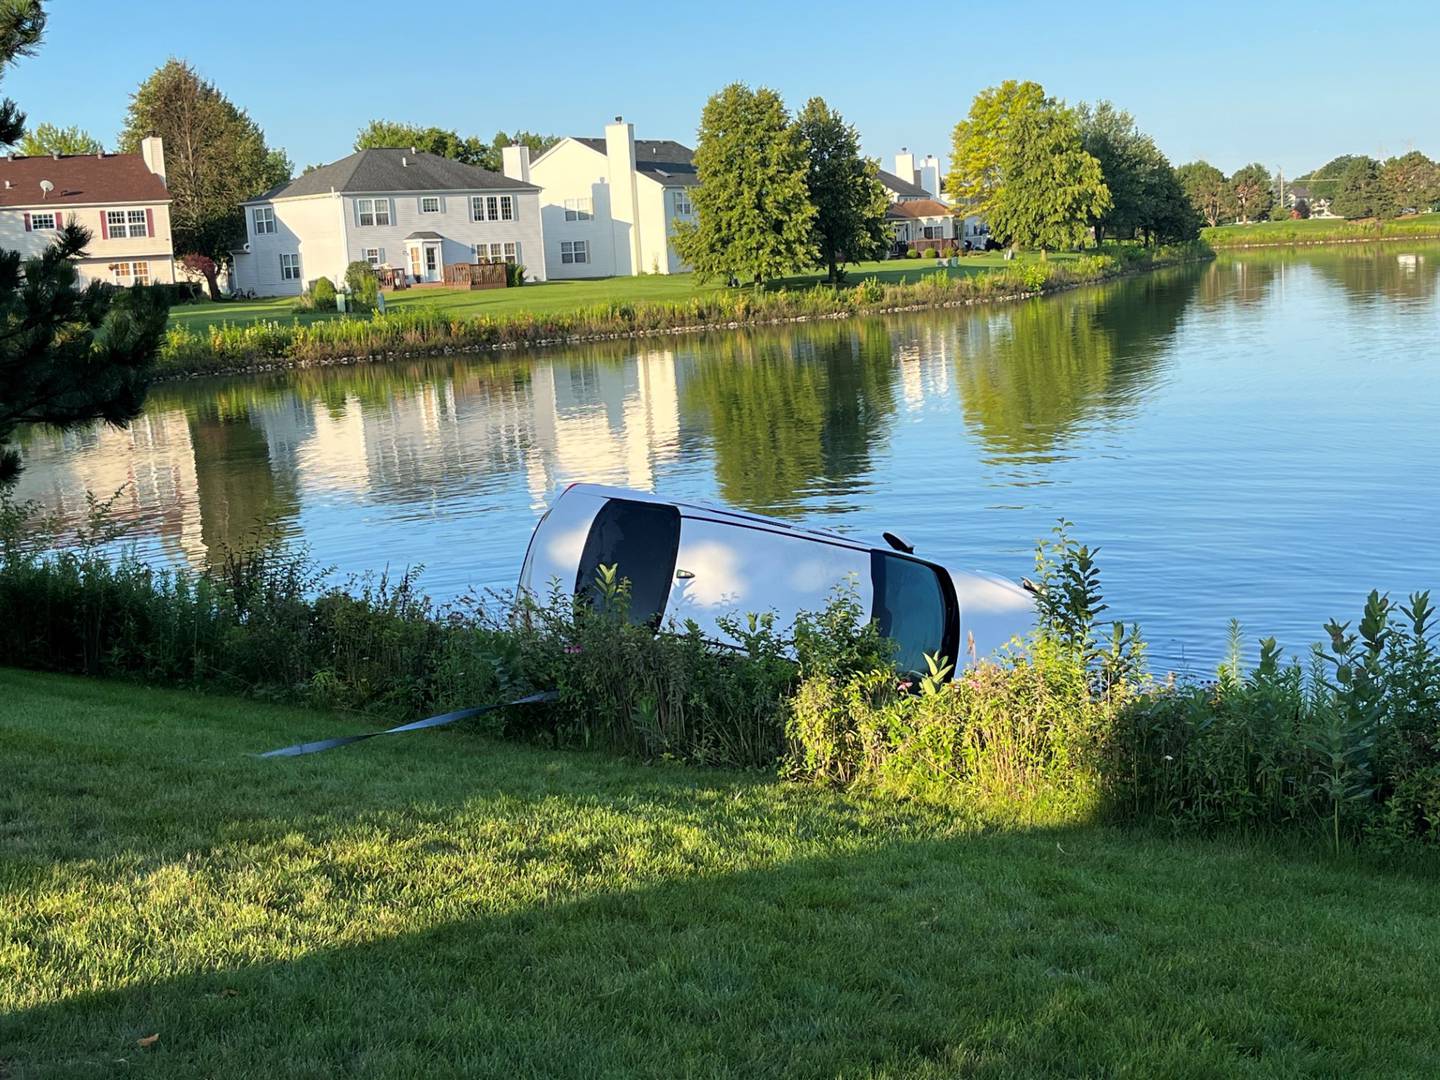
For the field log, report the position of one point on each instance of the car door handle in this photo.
(683, 575)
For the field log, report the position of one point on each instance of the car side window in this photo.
(910, 608)
(640, 539)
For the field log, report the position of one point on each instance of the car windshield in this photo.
(640, 539)
(910, 609)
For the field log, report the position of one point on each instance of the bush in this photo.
(514, 275)
(912, 253)
(363, 285)
(322, 294)
(1034, 276)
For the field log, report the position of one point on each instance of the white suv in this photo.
(690, 562)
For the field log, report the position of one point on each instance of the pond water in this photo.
(1257, 437)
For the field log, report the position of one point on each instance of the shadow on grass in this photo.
(1002, 954)
(447, 906)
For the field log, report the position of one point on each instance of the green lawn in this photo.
(558, 296)
(445, 905)
(1321, 229)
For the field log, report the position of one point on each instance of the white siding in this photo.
(101, 252)
(571, 170)
(657, 229)
(324, 231)
(309, 227)
(453, 223)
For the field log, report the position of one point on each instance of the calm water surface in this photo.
(1258, 437)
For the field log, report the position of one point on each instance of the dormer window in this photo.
(264, 220)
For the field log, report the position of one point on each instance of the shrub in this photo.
(322, 294)
(514, 275)
(363, 285)
(912, 253)
(1034, 276)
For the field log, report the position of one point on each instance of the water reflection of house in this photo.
(151, 463)
(924, 362)
(603, 422)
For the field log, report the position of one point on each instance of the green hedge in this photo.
(1319, 231)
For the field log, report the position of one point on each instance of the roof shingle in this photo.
(901, 187)
(79, 179)
(919, 208)
(663, 160)
(394, 169)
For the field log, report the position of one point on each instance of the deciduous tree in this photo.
(1145, 196)
(1206, 188)
(68, 354)
(848, 198)
(47, 139)
(755, 220)
(982, 139)
(215, 158)
(470, 150)
(1360, 193)
(1251, 189)
(1412, 180)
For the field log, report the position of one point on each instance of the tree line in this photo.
(1353, 185)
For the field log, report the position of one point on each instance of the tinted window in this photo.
(641, 540)
(911, 609)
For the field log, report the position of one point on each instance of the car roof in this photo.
(718, 513)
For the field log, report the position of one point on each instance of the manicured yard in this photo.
(567, 295)
(447, 905)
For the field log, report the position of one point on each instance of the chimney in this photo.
(624, 198)
(515, 162)
(928, 175)
(905, 165)
(152, 149)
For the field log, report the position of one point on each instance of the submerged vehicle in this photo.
(685, 562)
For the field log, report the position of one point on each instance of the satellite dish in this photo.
(46, 186)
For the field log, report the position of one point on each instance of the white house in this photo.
(121, 198)
(913, 183)
(609, 205)
(411, 212)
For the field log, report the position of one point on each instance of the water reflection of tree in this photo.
(1031, 374)
(1377, 274)
(789, 409)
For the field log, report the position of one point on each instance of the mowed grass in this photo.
(1322, 229)
(447, 905)
(558, 296)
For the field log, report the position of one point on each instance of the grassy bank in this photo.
(1319, 231)
(465, 322)
(554, 297)
(446, 905)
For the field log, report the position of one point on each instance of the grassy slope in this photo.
(444, 905)
(1320, 229)
(558, 296)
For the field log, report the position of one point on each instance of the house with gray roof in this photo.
(409, 214)
(609, 205)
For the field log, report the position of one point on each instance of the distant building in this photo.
(121, 198)
(407, 213)
(920, 214)
(1319, 204)
(610, 204)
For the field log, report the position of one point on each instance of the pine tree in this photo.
(68, 355)
(755, 220)
(849, 200)
(215, 158)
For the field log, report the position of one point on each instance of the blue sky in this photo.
(1225, 80)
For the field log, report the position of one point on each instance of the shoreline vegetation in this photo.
(412, 332)
(1342, 750)
(1318, 231)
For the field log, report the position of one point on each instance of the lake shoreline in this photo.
(1425, 239)
(953, 293)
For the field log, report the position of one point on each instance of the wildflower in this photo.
(573, 650)
(904, 686)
